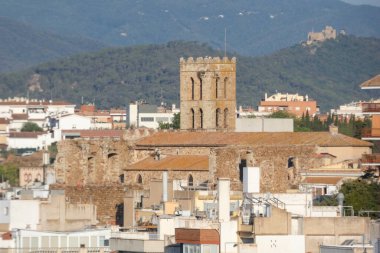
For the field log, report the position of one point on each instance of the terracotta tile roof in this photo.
(117, 111)
(4, 121)
(177, 163)
(34, 160)
(25, 134)
(322, 139)
(96, 133)
(95, 114)
(372, 83)
(322, 180)
(19, 116)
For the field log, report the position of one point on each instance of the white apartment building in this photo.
(150, 116)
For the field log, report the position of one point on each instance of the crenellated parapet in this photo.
(207, 60)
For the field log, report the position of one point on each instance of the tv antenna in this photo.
(225, 42)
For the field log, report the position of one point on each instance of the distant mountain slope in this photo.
(23, 46)
(330, 73)
(254, 27)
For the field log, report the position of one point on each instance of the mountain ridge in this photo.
(329, 72)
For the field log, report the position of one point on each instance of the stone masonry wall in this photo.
(208, 93)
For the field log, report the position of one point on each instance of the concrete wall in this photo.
(333, 230)
(278, 223)
(108, 200)
(24, 214)
(345, 153)
(264, 125)
(280, 243)
(57, 215)
(74, 122)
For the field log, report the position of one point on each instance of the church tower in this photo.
(208, 93)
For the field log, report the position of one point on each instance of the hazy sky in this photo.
(370, 2)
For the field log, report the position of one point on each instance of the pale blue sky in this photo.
(370, 2)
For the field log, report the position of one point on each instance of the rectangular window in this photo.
(6, 210)
(162, 119)
(147, 119)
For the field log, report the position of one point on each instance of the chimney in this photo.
(164, 186)
(224, 199)
(333, 129)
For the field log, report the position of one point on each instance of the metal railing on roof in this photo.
(371, 107)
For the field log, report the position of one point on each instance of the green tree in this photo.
(362, 195)
(175, 124)
(281, 115)
(9, 172)
(31, 127)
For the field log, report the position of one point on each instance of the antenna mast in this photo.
(225, 42)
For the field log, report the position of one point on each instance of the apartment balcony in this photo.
(368, 160)
(371, 134)
(371, 107)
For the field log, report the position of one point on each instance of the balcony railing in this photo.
(370, 132)
(371, 107)
(374, 158)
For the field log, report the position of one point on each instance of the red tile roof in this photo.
(19, 116)
(25, 134)
(322, 180)
(4, 121)
(177, 163)
(372, 83)
(322, 139)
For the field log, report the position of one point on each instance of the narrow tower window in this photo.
(216, 87)
(217, 118)
(225, 87)
(190, 180)
(201, 117)
(192, 88)
(226, 118)
(192, 119)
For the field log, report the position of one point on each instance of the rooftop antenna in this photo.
(225, 42)
(27, 94)
(161, 97)
(82, 100)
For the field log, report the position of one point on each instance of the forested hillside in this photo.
(22, 45)
(329, 72)
(254, 27)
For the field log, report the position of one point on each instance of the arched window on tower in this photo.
(192, 88)
(225, 120)
(190, 181)
(225, 87)
(139, 179)
(217, 117)
(201, 118)
(192, 118)
(216, 87)
(200, 88)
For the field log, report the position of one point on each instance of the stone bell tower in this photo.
(208, 93)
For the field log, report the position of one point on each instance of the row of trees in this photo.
(349, 126)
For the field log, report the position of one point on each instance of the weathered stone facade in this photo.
(208, 93)
(82, 162)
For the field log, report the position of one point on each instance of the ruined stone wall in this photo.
(208, 93)
(276, 174)
(81, 162)
(108, 200)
